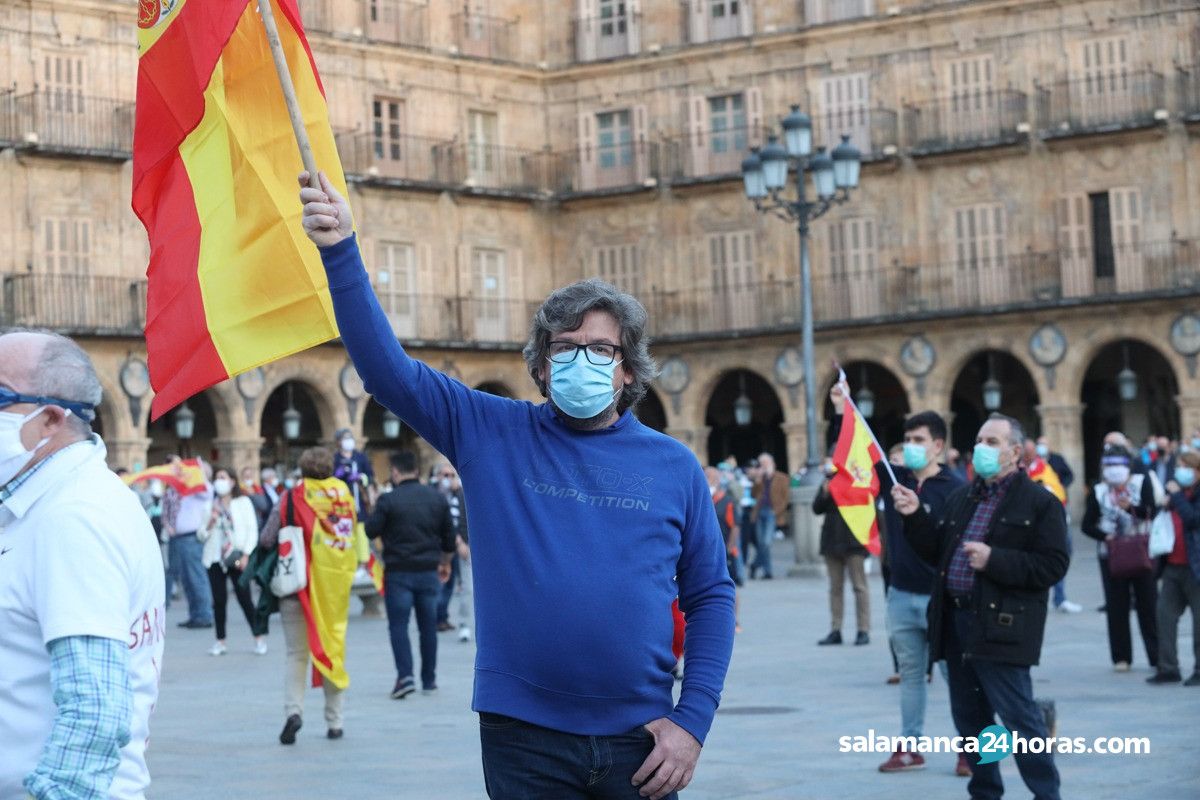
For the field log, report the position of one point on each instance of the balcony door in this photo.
(490, 281)
(970, 109)
(846, 109)
(734, 280)
(388, 148)
(1100, 242)
(482, 132)
(981, 258)
(1105, 93)
(395, 284)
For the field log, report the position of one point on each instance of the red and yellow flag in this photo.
(186, 478)
(325, 510)
(855, 486)
(233, 281)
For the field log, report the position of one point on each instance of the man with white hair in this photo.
(81, 588)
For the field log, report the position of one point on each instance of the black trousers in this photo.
(219, 579)
(1117, 593)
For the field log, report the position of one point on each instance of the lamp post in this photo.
(765, 175)
(291, 427)
(993, 394)
(1127, 380)
(743, 408)
(391, 425)
(185, 427)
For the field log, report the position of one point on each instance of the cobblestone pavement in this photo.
(775, 738)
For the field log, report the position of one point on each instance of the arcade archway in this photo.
(991, 381)
(650, 412)
(743, 392)
(280, 447)
(876, 389)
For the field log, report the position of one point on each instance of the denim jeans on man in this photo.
(185, 563)
(909, 632)
(764, 535)
(981, 689)
(522, 761)
(403, 593)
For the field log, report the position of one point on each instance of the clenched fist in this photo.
(905, 500)
(327, 218)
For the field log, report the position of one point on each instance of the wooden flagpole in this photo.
(289, 91)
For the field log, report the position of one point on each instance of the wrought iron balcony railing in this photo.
(398, 22)
(874, 131)
(1116, 100)
(967, 121)
(85, 304)
(68, 122)
(709, 153)
(624, 166)
(1187, 92)
(483, 36)
(497, 322)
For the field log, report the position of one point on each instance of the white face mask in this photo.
(347, 445)
(1115, 475)
(444, 484)
(13, 455)
(222, 486)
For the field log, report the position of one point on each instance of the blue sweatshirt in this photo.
(580, 541)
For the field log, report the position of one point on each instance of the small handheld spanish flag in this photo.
(233, 281)
(186, 477)
(855, 486)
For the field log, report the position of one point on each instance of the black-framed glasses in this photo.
(85, 411)
(599, 353)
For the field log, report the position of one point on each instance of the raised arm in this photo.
(441, 410)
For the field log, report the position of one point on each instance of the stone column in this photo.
(237, 454)
(1189, 415)
(806, 532)
(1063, 425)
(127, 453)
(793, 434)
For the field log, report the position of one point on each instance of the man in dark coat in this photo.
(999, 544)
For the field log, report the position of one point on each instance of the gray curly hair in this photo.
(565, 309)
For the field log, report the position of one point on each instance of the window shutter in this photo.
(634, 26)
(698, 21)
(1125, 213)
(746, 17)
(587, 29)
(586, 151)
(641, 147)
(754, 111)
(846, 108)
(697, 128)
(1074, 244)
(859, 255)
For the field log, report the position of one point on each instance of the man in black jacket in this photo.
(999, 545)
(413, 521)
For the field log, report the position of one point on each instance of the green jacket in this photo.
(260, 569)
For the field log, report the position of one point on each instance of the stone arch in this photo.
(765, 431)
(891, 399)
(376, 445)
(209, 408)
(651, 412)
(953, 357)
(1019, 394)
(317, 423)
(1154, 409)
(497, 387)
(328, 401)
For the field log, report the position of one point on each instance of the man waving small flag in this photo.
(855, 486)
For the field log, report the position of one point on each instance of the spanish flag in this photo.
(186, 478)
(855, 486)
(233, 281)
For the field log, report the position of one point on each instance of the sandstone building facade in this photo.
(1027, 212)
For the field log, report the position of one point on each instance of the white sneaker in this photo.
(260, 647)
(218, 649)
(1067, 607)
(464, 633)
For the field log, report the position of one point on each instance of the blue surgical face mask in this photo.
(1043, 451)
(916, 457)
(582, 389)
(1185, 476)
(1196, 444)
(986, 460)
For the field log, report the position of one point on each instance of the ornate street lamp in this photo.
(185, 422)
(865, 399)
(743, 408)
(765, 176)
(993, 394)
(291, 419)
(1127, 380)
(391, 424)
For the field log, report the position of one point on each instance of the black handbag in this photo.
(230, 561)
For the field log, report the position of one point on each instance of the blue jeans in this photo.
(978, 691)
(1060, 588)
(403, 593)
(909, 632)
(522, 761)
(764, 535)
(446, 593)
(185, 556)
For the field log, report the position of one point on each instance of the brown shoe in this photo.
(962, 769)
(893, 679)
(903, 761)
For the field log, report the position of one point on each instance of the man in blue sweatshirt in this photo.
(912, 579)
(586, 525)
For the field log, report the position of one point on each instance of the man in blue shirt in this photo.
(586, 525)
